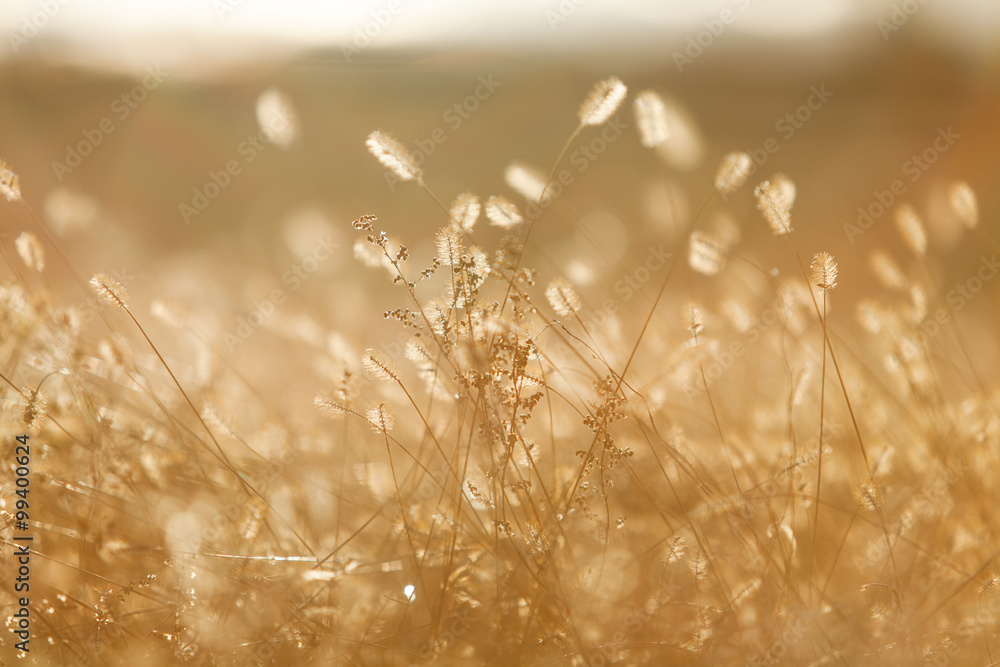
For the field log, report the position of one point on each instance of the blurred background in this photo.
(118, 115)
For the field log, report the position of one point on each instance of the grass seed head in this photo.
(651, 117)
(562, 297)
(10, 185)
(963, 201)
(464, 211)
(774, 206)
(378, 366)
(733, 172)
(393, 155)
(502, 212)
(824, 271)
(603, 101)
(110, 290)
(911, 229)
(30, 251)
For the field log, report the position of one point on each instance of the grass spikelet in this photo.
(379, 367)
(464, 211)
(331, 408)
(502, 212)
(733, 172)
(10, 185)
(393, 155)
(705, 253)
(527, 181)
(30, 251)
(824, 271)
(774, 205)
(32, 409)
(604, 99)
(911, 229)
(963, 202)
(651, 118)
(449, 246)
(562, 297)
(109, 289)
(695, 321)
(381, 418)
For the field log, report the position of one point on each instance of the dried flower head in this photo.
(733, 172)
(378, 366)
(528, 181)
(824, 271)
(464, 211)
(30, 251)
(774, 206)
(911, 229)
(381, 418)
(963, 201)
(110, 290)
(10, 186)
(393, 155)
(604, 100)
(502, 212)
(562, 297)
(449, 246)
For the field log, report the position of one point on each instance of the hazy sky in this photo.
(126, 32)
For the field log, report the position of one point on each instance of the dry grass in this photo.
(721, 475)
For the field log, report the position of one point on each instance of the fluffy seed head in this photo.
(381, 418)
(562, 297)
(30, 251)
(10, 186)
(464, 211)
(963, 201)
(528, 181)
(911, 229)
(502, 212)
(110, 290)
(773, 205)
(169, 312)
(651, 117)
(733, 172)
(449, 246)
(824, 271)
(393, 155)
(378, 366)
(604, 100)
